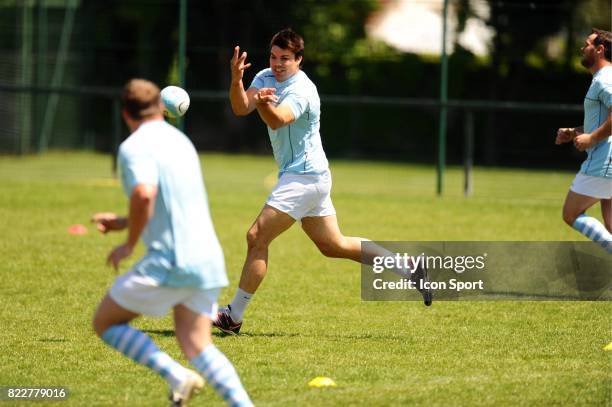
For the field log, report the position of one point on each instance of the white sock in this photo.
(239, 304)
(376, 250)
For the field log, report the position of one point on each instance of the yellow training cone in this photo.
(322, 381)
(608, 346)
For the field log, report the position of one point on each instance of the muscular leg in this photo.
(269, 224)
(575, 205)
(325, 234)
(573, 214)
(111, 324)
(192, 331)
(606, 213)
(110, 313)
(193, 336)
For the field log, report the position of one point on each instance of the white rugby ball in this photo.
(175, 100)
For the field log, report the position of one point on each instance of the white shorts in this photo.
(596, 187)
(301, 196)
(144, 295)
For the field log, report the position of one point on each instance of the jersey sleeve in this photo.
(297, 103)
(605, 95)
(137, 168)
(258, 81)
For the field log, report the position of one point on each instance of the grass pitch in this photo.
(307, 319)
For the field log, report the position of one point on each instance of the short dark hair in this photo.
(603, 38)
(141, 99)
(289, 39)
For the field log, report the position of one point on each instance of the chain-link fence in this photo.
(63, 62)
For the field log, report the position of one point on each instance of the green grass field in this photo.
(307, 319)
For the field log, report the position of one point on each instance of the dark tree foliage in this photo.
(121, 39)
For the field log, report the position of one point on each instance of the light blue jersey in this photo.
(182, 247)
(297, 146)
(596, 104)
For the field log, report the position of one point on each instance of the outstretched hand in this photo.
(238, 64)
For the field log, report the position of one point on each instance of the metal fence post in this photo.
(468, 152)
(116, 120)
(58, 75)
(443, 102)
(41, 69)
(180, 121)
(26, 76)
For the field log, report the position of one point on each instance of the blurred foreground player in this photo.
(183, 268)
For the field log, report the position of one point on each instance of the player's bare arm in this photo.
(242, 101)
(107, 222)
(588, 140)
(274, 116)
(142, 203)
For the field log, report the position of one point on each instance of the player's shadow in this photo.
(263, 334)
(335, 337)
(166, 333)
(365, 337)
(332, 337)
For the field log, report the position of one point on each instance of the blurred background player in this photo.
(593, 183)
(288, 103)
(183, 268)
